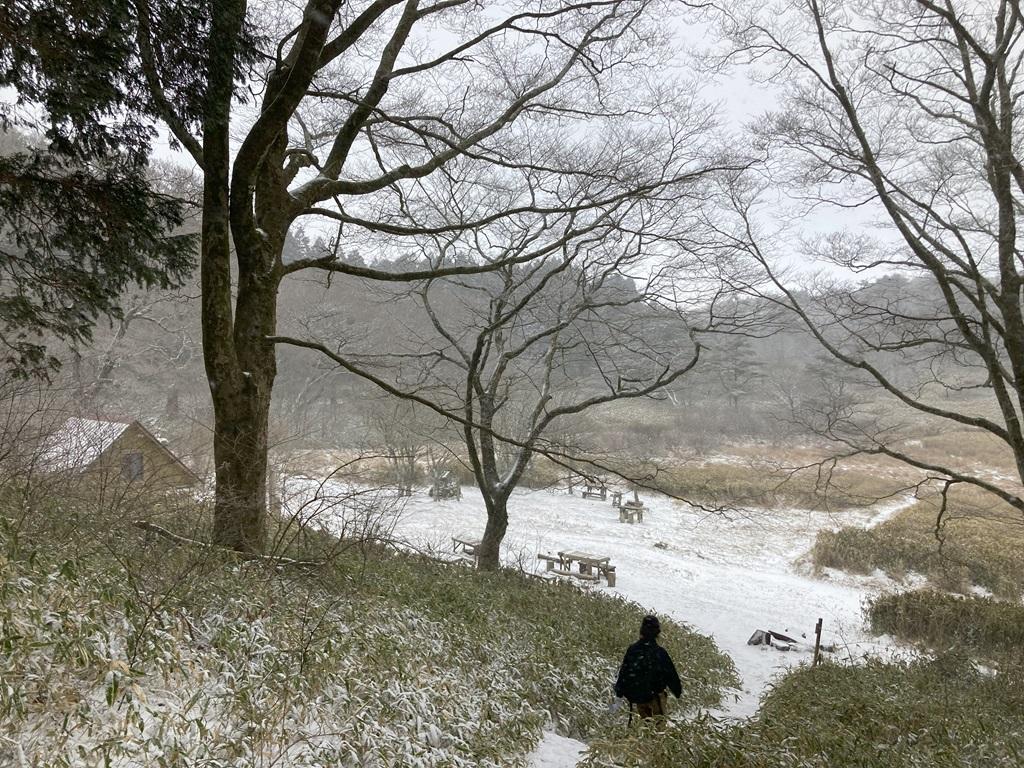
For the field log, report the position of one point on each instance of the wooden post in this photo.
(817, 643)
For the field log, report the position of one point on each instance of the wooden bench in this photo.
(590, 567)
(466, 548)
(552, 560)
(576, 575)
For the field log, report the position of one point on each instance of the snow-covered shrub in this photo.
(993, 629)
(138, 653)
(982, 545)
(923, 714)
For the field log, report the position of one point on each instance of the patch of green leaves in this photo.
(923, 714)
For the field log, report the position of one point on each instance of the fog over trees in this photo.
(356, 118)
(906, 115)
(610, 313)
(371, 372)
(513, 218)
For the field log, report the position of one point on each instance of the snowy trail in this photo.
(725, 578)
(556, 751)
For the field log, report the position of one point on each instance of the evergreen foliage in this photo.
(72, 238)
(79, 220)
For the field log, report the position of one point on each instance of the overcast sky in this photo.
(739, 100)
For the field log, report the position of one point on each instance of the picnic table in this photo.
(631, 512)
(590, 490)
(465, 546)
(590, 567)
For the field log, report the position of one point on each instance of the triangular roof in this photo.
(165, 449)
(78, 443)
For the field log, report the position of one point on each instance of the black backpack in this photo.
(640, 677)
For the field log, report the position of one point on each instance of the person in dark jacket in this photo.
(647, 671)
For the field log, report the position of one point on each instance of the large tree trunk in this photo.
(240, 454)
(241, 367)
(240, 419)
(242, 411)
(489, 551)
(246, 205)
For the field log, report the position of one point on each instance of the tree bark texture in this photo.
(240, 363)
(489, 551)
(241, 368)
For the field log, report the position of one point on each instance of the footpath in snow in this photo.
(556, 751)
(725, 577)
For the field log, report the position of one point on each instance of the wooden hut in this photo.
(114, 451)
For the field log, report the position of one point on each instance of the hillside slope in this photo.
(122, 651)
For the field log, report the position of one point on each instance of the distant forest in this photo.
(149, 365)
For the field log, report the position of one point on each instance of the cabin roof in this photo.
(79, 442)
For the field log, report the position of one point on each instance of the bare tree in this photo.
(394, 430)
(606, 314)
(903, 116)
(152, 341)
(360, 109)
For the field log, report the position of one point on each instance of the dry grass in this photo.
(968, 449)
(762, 484)
(980, 542)
(761, 477)
(989, 628)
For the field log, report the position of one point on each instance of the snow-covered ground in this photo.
(556, 751)
(724, 576)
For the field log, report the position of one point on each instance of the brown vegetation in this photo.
(977, 542)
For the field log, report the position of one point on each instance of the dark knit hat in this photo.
(650, 627)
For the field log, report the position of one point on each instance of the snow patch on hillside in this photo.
(726, 576)
(556, 751)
